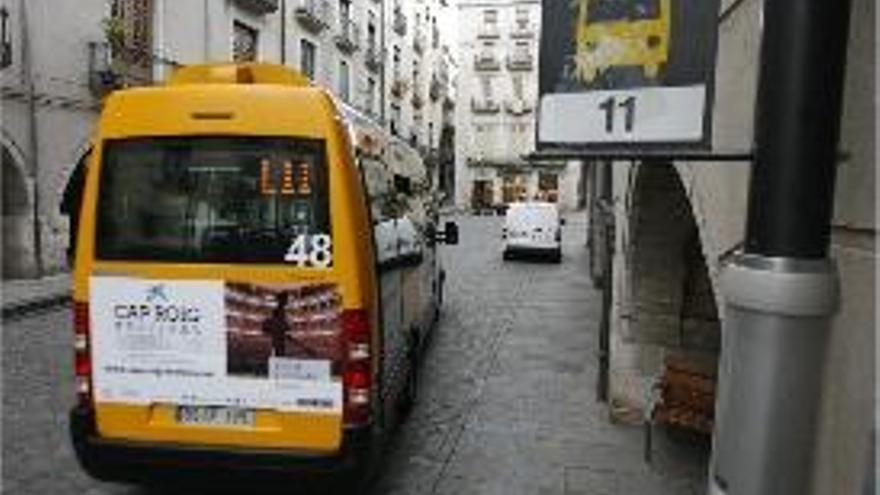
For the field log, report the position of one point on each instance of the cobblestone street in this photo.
(507, 394)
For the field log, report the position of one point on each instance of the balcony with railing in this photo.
(374, 58)
(398, 23)
(523, 30)
(399, 86)
(520, 60)
(443, 72)
(419, 41)
(313, 15)
(488, 31)
(418, 101)
(348, 35)
(435, 89)
(261, 7)
(485, 106)
(113, 66)
(487, 61)
(448, 103)
(518, 107)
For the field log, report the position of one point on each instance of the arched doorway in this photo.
(17, 262)
(669, 331)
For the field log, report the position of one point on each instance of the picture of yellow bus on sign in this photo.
(627, 72)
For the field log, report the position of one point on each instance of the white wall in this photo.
(59, 33)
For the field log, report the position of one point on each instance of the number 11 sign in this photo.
(626, 72)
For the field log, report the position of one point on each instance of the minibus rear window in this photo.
(210, 199)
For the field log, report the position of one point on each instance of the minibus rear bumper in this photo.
(143, 462)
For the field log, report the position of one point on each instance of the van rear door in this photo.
(532, 225)
(216, 315)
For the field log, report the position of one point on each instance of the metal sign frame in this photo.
(615, 74)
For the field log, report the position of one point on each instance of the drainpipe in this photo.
(783, 290)
(33, 139)
(206, 38)
(382, 53)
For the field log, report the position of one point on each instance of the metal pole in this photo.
(607, 260)
(782, 292)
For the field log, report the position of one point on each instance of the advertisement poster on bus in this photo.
(625, 73)
(215, 343)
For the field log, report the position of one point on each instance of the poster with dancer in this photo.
(192, 342)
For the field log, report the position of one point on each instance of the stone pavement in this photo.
(508, 401)
(24, 294)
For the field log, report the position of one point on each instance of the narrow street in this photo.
(507, 402)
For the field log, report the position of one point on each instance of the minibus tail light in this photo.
(82, 352)
(357, 375)
(356, 325)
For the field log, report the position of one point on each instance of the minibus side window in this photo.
(383, 208)
(215, 199)
(71, 202)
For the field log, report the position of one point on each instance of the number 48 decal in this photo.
(314, 251)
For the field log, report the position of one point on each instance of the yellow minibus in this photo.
(255, 275)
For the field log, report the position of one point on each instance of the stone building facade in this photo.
(673, 226)
(59, 59)
(497, 94)
(47, 114)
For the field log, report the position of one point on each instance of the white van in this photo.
(533, 228)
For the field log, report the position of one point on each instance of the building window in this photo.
(5, 39)
(344, 81)
(130, 35)
(244, 42)
(371, 31)
(486, 84)
(395, 120)
(307, 58)
(490, 17)
(518, 87)
(371, 95)
(522, 17)
(344, 10)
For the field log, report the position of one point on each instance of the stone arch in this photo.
(668, 306)
(670, 289)
(16, 208)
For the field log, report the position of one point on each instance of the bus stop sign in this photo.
(623, 73)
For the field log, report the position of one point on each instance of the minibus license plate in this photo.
(215, 416)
